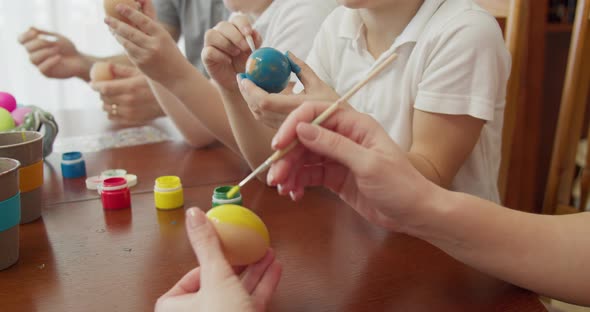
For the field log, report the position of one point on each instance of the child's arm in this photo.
(154, 52)
(442, 143)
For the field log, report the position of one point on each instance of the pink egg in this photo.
(19, 114)
(7, 101)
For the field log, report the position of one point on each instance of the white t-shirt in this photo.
(451, 60)
(291, 25)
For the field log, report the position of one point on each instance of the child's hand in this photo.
(149, 46)
(226, 50)
(272, 109)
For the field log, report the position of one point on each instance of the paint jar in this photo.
(73, 165)
(10, 211)
(168, 193)
(220, 197)
(115, 194)
(27, 148)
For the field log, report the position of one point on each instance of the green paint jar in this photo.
(220, 197)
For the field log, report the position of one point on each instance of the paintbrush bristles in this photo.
(234, 190)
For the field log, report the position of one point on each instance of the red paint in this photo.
(115, 194)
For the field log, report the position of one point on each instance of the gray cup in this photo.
(27, 148)
(9, 212)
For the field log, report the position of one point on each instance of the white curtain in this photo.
(79, 20)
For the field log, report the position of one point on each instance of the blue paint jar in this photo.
(73, 165)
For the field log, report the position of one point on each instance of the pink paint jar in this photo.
(115, 194)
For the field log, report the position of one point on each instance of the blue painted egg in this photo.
(269, 69)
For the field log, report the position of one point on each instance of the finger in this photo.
(147, 7)
(231, 32)
(38, 57)
(212, 56)
(307, 76)
(253, 273)
(216, 39)
(113, 88)
(258, 99)
(304, 113)
(143, 23)
(124, 71)
(205, 243)
(48, 64)
(267, 286)
(132, 49)
(189, 283)
(332, 145)
(38, 44)
(128, 32)
(28, 35)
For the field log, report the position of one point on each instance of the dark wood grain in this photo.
(81, 258)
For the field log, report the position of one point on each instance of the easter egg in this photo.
(269, 69)
(111, 5)
(101, 71)
(243, 236)
(19, 114)
(7, 101)
(6, 121)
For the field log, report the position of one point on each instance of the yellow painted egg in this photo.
(101, 71)
(243, 235)
(110, 8)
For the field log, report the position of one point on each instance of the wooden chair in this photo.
(570, 122)
(515, 34)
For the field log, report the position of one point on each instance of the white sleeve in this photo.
(468, 69)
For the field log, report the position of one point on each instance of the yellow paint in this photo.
(234, 190)
(239, 216)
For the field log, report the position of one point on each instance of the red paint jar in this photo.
(115, 194)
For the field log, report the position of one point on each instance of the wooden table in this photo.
(82, 258)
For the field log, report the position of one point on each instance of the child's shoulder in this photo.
(466, 19)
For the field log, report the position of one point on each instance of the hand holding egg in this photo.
(243, 236)
(110, 8)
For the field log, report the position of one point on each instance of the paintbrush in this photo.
(318, 121)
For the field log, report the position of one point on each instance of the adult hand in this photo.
(355, 158)
(272, 109)
(226, 50)
(214, 286)
(54, 55)
(128, 98)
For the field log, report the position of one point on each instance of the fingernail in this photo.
(270, 179)
(294, 67)
(292, 195)
(280, 189)
(246, 30)
(120, 8)
(307, 132)
(195, 219)
(274, 142)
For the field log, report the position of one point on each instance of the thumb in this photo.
(331, 145)
(123, 71)
(207, 248)
(302, 70)
(147, 7)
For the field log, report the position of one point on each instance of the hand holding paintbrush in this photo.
(318, 121)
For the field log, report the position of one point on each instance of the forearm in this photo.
(253, 137)
(192, 130)
(200, 97)
(547, 254)
(427, 169)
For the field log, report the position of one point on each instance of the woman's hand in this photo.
(214, 286)
(352, 156)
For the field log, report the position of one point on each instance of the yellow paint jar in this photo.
(168, 193)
